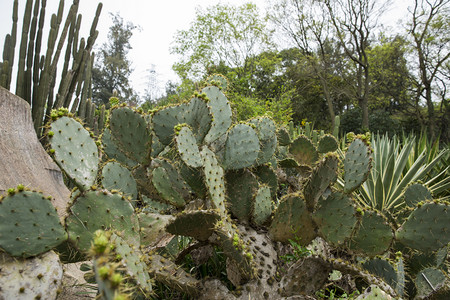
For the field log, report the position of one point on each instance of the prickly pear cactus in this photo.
(221, 112)
(100, 209)
(262, 206)
(426, 228)
(183, 187)
(357, 164)
(304, 151)
(29, 224)
(241, 148)
(188, 148)
(292, 220)
(129, 128)
(74, 151)
(336, 218)
(117, 177)
(374, 234)
(199, 224)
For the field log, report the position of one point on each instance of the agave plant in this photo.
(397, 165)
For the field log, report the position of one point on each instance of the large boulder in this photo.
(23, 160)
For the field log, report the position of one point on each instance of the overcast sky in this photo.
(159, 20)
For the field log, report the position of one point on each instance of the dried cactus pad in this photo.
(29, 224)
(39, 277)
(199, 224)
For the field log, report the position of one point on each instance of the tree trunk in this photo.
(431, 114)
(23, 160)
(329, 100)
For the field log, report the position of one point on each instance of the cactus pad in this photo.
(29, 224)
(193, 177)
(374, 235)
(154, 206)
(198, 224)
(117, 177)
(336, 218)
(220, 110)
(153, 227)
(242, 147)
(129, 128)
(241, 186)
(187, 147)
(288, 163)
(164, 121)
(416, 193)
(382, 268)
(112, 151)
(214, 179)
(218, 80)
(266, 130)
(327, 143)
(292, 220)
(266, 175)
(357, 164)
(426, 228)
(428, 281)
(95, 210)
(161, 181)
(131, 260)
(75, 151)
(195, 114)
(283, 137)
(322, 176)
(303, 151)
(262, 206)
(199, 118)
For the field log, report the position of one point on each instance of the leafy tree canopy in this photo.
(113, 68)
(220, 34)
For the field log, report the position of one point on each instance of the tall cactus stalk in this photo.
(8, 51)
(20, 84)
(30, 52)
(37, 73)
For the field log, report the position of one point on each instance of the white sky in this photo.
(159, 20)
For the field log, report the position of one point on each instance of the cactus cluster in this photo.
(186, 170)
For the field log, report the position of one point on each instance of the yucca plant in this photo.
(438, 178)
(397, 165)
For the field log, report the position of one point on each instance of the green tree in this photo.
(309, 101)
(308, 27)
(390, 75)
(221, 34)
(112, 68)
(429, 29)
(354, 22)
